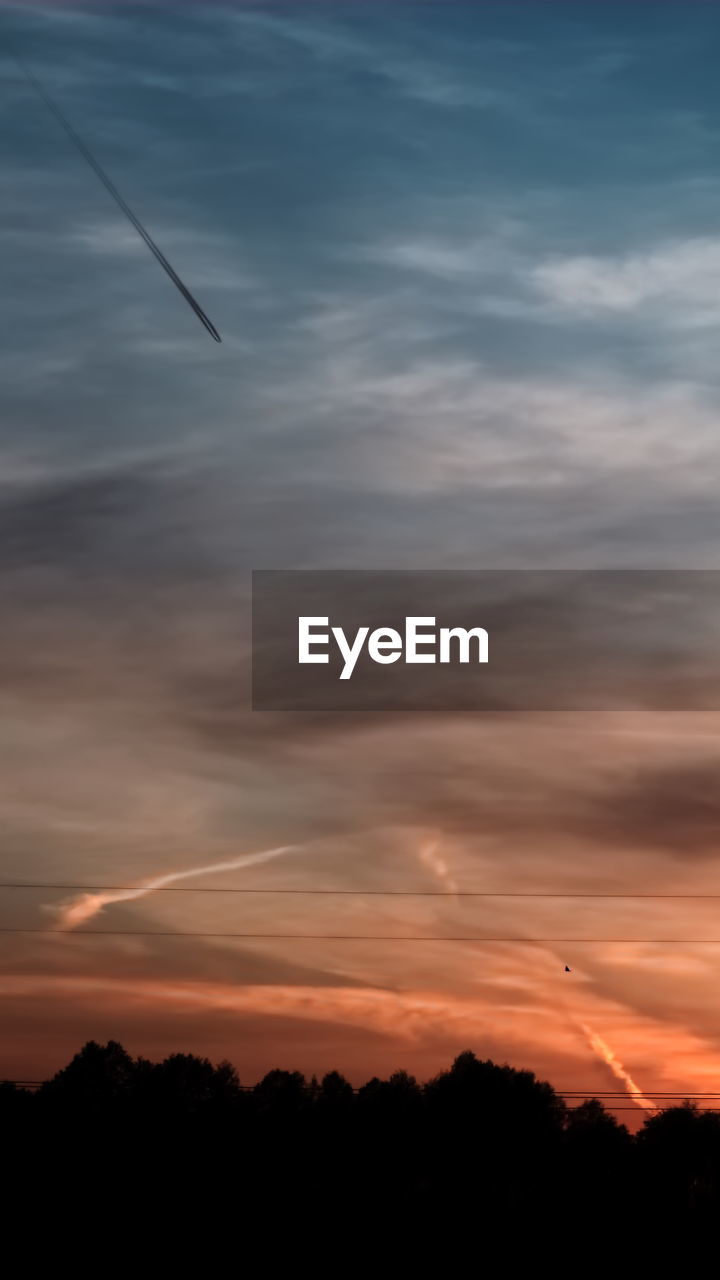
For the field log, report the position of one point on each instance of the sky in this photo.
(465, 261)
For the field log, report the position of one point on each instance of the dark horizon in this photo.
(616, 1101)
(481, 1146)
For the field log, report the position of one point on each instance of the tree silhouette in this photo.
(97, 1075)
(479, 1149)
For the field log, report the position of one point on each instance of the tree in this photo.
(189, 1082)
(97, 1074)
(335, 1092)
(281, 1093)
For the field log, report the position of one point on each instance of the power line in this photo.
(588, 1097)
(645, 1110)
(587, 1094)
(353, 937)
(360, 893)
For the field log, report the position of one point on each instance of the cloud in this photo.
(440, 351)
(675, 285)
(674, 809)
(398, 58)
(86, 906)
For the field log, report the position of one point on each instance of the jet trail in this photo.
(430, 858)
(603, 1050)
(81, 909)
(97, 168)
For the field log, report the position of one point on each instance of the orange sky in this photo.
(465, 262)
(511, 803)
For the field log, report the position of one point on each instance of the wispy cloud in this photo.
(88, 905)
(440, 349)
(675, 285)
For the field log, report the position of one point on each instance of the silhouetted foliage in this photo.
(96, 1076)
(679, 1157)
(480, 1148)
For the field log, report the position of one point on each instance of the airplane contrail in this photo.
(603, 1050)
(430, 857)
(109, 185)
(81, 909)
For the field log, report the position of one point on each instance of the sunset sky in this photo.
(465, 261)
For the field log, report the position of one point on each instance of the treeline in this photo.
(479, 1147)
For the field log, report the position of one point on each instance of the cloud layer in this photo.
(465, 267)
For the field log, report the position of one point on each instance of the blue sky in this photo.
(465, 259)
(454, 250)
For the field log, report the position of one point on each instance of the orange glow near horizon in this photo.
(460, 823)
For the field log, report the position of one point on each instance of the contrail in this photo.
(437, 864)
(80, 910)
(604, 1052)
(109, 185)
